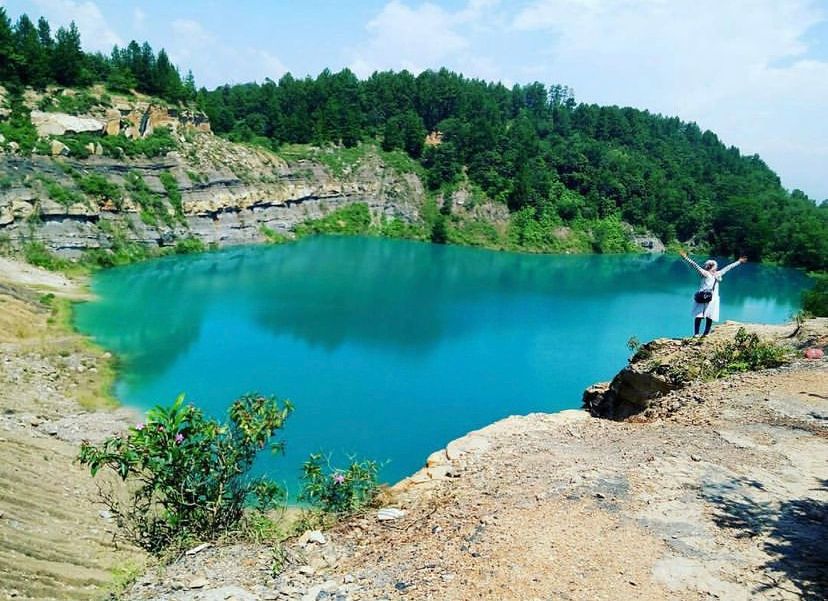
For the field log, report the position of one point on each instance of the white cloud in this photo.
(139, 17)
(211, 60)
(408, 38)
(427, 36)
(96, 33)
(718, 63)
(189, 39)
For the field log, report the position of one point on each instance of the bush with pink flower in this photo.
(187, 474)
(338, 491)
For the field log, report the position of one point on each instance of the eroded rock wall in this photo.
(229, 194)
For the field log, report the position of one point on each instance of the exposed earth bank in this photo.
(55, 542)
(718, 490)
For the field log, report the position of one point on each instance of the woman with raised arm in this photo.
(706, 299)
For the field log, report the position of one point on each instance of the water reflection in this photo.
(400, 296)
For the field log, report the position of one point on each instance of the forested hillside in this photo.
(554, 162)
(537, 150)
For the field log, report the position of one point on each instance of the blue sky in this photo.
(753, 71)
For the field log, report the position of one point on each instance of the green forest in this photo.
(31, 56)
(551, 160)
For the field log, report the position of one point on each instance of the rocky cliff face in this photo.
(229, 193)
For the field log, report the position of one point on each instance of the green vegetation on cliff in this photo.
(815, 300)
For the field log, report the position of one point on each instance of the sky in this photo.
(753, 71)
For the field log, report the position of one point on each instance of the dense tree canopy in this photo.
(30, 56)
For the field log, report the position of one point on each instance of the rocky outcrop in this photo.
(665, 365)
(139, 120)
(130, 116)
(649, 375)
(229, 195)
(59, 124)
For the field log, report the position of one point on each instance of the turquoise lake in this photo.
(389, 349)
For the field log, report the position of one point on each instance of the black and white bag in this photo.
(704, 295)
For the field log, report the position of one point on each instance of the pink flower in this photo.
(139, 426)
(338, 478)
(814, 353)
(179, 438)
(160, 428)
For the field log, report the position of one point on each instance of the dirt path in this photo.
(54, 542)
(721, 493)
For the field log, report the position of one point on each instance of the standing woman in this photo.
(706, 305)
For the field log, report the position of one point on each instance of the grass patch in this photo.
(273, 237)
(196, 178)
(100, 188)
(60, 193)
(38, 255)
(401, 162)
(475, 232)
(351, 219)
(95, 389)
(339, 161)
(158, 143)
(189, 246)
(78, 103)
(151, 205)
(124, 576)
(397, 228)
(18, 127)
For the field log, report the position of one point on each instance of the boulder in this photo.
(593, 396)
(113, 122)
(648, 376)
(18, 209)
(637, 387)
(90, 147)
(649, 242)
(58, 124)
(59, 148)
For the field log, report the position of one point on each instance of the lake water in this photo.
(389, 349)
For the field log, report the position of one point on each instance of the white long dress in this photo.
(709, 310)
